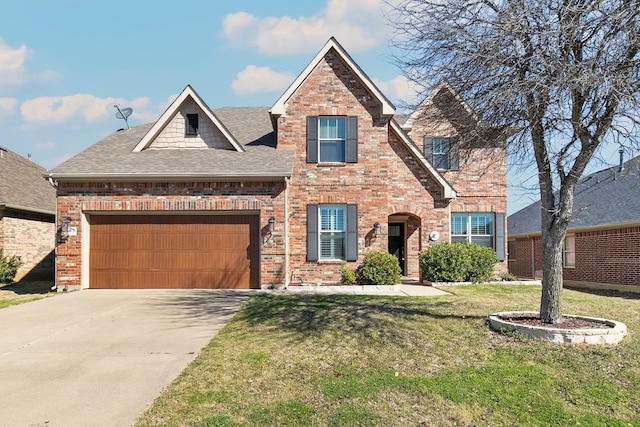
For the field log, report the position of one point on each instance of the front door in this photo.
(396, 242)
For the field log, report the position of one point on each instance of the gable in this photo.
(386, 107)
(173, 129)
(175, 133)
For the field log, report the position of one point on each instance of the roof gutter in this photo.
(25, 208)
(166, 177)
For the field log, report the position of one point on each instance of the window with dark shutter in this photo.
(332, 232)
(332, 139)
(441, 152)
(191, 128)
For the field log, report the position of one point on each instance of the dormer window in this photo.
(191, 128)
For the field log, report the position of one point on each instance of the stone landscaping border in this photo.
(612, 331)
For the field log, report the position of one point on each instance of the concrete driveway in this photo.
(100, 357)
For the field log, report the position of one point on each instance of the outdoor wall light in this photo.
(272, 224)
(377, 228)
(64, 228)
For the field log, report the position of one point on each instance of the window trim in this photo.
(452, 155)
(339, 139)
(351, 140)
(566, 252)
(332, 232)
(313, 232)
(497, 236)
(191, 130)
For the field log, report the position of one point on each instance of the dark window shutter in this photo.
(352, 232)
(352, 139)
(499, 237)
(312, 232)
(312, 139)
(454, 155)
(428, 148)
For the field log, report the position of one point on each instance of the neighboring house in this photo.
(27, 215)
(258, 197)
(602, 245)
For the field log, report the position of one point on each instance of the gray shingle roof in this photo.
(604, 198)
(22, 185)
(251, 126)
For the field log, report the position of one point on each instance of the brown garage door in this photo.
(174, 251)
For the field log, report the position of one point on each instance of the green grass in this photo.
(330, 360)
(24, 291)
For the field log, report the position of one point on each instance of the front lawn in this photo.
(24, 291)
(335, 360)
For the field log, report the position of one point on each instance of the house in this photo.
(602, 244)
(259, 197)
(27, 215)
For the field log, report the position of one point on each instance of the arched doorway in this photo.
(404, 241)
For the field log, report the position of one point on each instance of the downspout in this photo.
(533, 257)
(54, 184)
(286, 232)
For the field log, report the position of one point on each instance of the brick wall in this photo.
(386, 181)
(603, 256)
(32, 237)
(75, 199)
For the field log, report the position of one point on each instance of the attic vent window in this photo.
(192, 125)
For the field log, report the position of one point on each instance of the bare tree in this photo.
(563, 75)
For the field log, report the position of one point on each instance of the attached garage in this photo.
(174, 251)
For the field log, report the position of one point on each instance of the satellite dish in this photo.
(123, 114)
(434, 236)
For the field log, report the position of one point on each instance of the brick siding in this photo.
(386, 181)
(31, 237)
(77, 199)
(604, 256)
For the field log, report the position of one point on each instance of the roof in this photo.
(114, 157)
(22, 185)
(447, 190)
(387, 109)
(607, 198)
(187, 94)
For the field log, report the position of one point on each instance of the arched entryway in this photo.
(404, 241)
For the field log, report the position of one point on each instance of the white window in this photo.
(569, 252)
(472, 227)
(332, 231)
(332, 139)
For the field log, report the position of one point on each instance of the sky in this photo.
(64, 64)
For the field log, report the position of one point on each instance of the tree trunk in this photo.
(552, 246)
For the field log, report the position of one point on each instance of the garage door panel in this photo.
(164, 251)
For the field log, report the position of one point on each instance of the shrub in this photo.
(347, 275)
(8, 268)
(379, 268)
(457, 262)
(508, 277)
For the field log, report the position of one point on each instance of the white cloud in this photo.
(8, 105)
(58, 109)
(254, 80)
(358, 24)
(398, 89)
(12, 71)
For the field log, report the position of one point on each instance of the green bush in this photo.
(457, 262)
(8, 268)
(347, 275)
(379, 268)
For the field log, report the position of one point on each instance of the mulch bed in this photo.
(565, 322)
